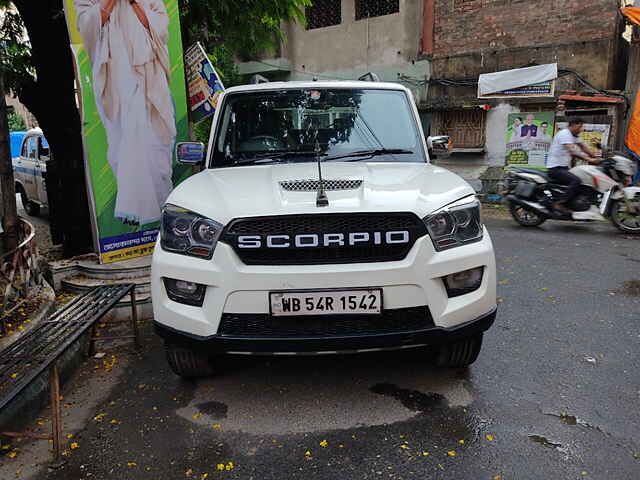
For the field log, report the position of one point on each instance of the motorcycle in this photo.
(603, 194)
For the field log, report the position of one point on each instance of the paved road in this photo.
(554, 393)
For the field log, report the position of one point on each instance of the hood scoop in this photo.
(311, 185)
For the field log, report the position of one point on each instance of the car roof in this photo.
(318, 85)
(34, 131)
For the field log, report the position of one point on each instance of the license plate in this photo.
(333, 302)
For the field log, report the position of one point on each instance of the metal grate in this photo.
(376, 8)
(319, 224)
(323, 13)
(313, 185)
(399, 320)
(30, 355)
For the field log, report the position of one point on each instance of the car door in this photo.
(27, 166)
(41, 169)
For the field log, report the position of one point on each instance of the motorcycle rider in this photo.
(565, 146)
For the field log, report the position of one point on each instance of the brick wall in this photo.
(478, 36)
(463, 26)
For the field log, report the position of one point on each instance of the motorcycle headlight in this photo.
(456, 224)
(188, 233)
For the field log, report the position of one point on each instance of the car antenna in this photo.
(321, 199)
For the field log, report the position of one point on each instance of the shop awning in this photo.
(592, 98)
(519, 77)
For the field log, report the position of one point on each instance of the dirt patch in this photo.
(631, 288)
(495, 210)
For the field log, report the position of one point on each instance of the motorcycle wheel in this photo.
(524, 217)
(626, 221)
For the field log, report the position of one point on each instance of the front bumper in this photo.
(236, 289)
(432, 336)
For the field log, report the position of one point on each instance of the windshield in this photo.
(289, 125)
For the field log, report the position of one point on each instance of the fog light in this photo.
(181, 291)
(463, 282)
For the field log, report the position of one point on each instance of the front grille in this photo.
(319, 224)
(251, 325)
(313, 185)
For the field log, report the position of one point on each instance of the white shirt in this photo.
(559, 156)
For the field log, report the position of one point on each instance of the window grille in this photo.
(376, 8)
(323, 13)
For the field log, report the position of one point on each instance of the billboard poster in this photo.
(542, 89)
(130, 74)
(204, 83)
(528, 137)
(593, 134)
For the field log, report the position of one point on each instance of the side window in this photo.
(32, 147)
(43, 148)
(25, 147)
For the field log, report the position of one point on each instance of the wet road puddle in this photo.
(545, 442)
(572, 420)
(413, 400)
(434, 411)
(215, 410)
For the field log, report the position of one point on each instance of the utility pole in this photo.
(8, 209)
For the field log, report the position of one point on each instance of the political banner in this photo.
(528, 138)
(204, 83)
(593, 134)
(130, 74)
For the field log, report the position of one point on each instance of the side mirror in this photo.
(190, 153)
(440, 145)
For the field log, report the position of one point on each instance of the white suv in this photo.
(319, 226)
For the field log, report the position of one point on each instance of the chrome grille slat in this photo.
(310, 185)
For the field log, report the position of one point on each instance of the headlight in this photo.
(188, 233)
(456, 224)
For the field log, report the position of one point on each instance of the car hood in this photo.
(226, 193)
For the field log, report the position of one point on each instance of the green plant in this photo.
(16, 123)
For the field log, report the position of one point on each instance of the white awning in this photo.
(519, 77)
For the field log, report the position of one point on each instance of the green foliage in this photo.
(15, 52)
(232, 31)
(16, 123)
(244, 27)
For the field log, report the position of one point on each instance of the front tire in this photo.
(32, 208)
(461, 353)
(526, 218)
(188, 364)
(625, 221)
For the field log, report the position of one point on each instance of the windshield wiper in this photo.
(370, 153)
(272, 157)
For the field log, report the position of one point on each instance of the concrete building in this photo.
(438, 48)
(344, 39)
(471, 37)
(20, 110)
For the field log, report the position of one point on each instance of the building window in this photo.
(465, 127)
(323, 13)
(376, 8)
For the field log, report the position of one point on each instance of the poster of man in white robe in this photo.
(129, 63)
